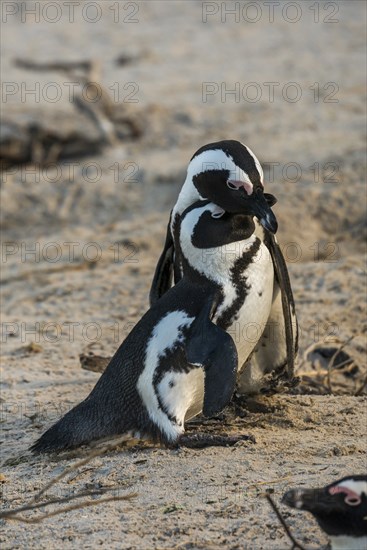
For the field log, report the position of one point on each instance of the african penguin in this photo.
(177, 361)
(339, 508)
(257, 306)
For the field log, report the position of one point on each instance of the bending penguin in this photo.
(256, 305)
(177, 361)
(339, 508)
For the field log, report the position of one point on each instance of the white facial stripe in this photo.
(216, 159)
(213, 159)
(257, 164)
(166, 334)
(217, 212)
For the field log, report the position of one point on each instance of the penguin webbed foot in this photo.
(203, 440)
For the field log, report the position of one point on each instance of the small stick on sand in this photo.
(66, 66)
(13, 514)
(296, 544)
(33, 504)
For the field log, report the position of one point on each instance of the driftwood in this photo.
(36, 136)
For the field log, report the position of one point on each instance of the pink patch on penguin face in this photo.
(351, 498)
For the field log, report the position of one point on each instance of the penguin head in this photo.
(340, 508)
(228, 174)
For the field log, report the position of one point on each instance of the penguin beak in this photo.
(313, 500)
(260, 204)
(298, 498)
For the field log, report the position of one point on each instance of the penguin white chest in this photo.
(183, 393)
(249, 320)
(176, 391)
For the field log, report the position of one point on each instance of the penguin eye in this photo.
(217, 214)
(232, 186)
(353, 501)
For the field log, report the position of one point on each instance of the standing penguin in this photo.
(339, 508)
(228, 174)
(177, 361)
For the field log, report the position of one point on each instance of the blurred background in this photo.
(103, 105)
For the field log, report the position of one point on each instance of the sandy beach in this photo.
(87, 188)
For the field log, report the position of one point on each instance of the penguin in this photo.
(339, 508)
(177, 361)
(228, 174)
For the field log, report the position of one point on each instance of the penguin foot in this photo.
(202, 440)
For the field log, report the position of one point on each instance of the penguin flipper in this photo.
(212, 348)
(163, 274)
(288, 307)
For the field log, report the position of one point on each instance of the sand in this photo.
(67, 299)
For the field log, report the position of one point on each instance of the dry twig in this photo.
(14, 514)
(65, 66)
(296, 544)
(33, 504)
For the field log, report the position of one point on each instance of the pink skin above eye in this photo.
(246, 185)
(351, 498)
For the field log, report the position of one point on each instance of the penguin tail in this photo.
(83, 424)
